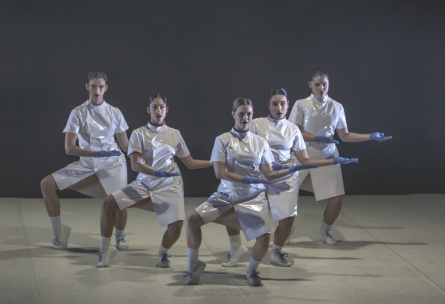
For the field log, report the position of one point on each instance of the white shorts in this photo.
(252, 214)
(167, 197)
(111, 177)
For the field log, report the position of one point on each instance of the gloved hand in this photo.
(325, 139)
(250, 180)
(344, 161)
(165, 174)
(377, 136)
(302, 167)
(278, 167)
(103, 153)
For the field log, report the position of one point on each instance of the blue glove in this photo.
(278, 167)
(250, 180)
(103, 153)
(325, 139)
(302, 167)
(377, 136)
(165, 174)
(344, 161)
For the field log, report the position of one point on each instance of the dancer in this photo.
(101, 169)
(239, 158)
(320, 115)
(283, 137)
(158, 186)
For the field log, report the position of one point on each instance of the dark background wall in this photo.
(385, 60)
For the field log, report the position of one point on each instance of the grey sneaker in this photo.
(278, 259)
(62, 242)
(105, 257)
(163, 260)
(327, 238)
(194, 276)
(121, 244)
(233, 259)
(254, 279)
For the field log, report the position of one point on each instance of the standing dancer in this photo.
(158, 186)
(239, 158)
(283, 137)
(320, 115)
(101, 169)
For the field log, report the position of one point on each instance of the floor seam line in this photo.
(399, 257)
(39, 298)
(231, 276)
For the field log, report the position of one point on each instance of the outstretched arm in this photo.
(347, 136)
(316, 138)
(195, 163)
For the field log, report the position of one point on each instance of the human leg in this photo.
(331, 213)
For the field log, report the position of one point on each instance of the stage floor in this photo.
(392, 250)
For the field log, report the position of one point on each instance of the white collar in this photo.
(277, 122)
(155, 128)
(240, 135)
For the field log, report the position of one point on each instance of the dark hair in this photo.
(158, 95)
(241, 101)
(278, 91)
(317, 73)
(97, 75)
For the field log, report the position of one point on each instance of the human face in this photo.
(278, 105)
(319, 86)
(157, 110)
(243, 116)
(97, 88)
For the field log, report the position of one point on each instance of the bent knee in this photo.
(109, 204)
(48, 184)
(287, 223)
(194, 219)
(337, 200)
(176, 227)
(265, 238)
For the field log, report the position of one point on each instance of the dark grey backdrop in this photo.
(385, 59)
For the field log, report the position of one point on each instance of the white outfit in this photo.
(242, 153)
(95, 126)
(283, 137)
(320, 118)
(158, 147)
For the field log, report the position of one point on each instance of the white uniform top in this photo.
(318, 118)
(96, 126)
(282, 136)
(158, 146)
(242, 153)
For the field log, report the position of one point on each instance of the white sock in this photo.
(235, 243)
(56, 223)
(324, 228)
(119, 234)
(253, 265)
(162, 250)
(104, 244)
(193, 255)
(276, 247)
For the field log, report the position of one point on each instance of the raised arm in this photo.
(271, 175)
(72, 149)
(122, 140)
(304, 159)
(191, 163)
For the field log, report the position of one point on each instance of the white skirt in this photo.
(111, 177)
(252, 213)
(167, 197)
(283, 197)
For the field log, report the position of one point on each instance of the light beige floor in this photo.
(392, 251)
